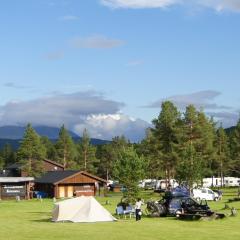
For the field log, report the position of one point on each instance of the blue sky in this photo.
(108, 64)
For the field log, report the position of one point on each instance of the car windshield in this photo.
(175, 203)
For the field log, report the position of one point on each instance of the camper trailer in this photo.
(147, 184)
(217, 182)
(231, 182)
(163, 184)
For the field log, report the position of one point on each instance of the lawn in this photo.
(31, 220)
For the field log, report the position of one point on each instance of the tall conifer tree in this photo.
(65, 148)
(235, 150)
(31, 152)
(86, 153)
(166, 133)
(222, 153)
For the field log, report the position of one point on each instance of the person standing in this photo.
(138, 210)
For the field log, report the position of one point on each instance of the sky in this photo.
(107, 65)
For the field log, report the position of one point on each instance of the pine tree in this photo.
(205, 144)
(86, 154)
(197, 146)
(222, 153)
(235, 151)
(65, 148)
(108, 154)
(31, 152)
(129, 169)
(165, 134)
(8, 155)
(51, 152)
(2, 163)
(152, 156)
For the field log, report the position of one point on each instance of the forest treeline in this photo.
(185, 145)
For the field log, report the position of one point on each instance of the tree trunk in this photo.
(85, 160)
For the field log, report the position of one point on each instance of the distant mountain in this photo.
(13, 142)
(16, 132)
(230, 130)
(13, 135)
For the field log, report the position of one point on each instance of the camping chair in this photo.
(129, 211)
(119, 211)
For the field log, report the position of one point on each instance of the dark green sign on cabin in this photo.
(9, 191)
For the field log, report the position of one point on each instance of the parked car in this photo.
(206, 194)
(172, 206)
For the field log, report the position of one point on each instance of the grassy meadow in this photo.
(32, 220)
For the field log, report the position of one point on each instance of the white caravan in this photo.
(162, 184)
(147, 182)
(211, 182)
(231, 182)
(217, 182)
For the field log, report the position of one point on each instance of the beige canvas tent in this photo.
(81, 209)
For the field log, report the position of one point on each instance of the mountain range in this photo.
(13, 135)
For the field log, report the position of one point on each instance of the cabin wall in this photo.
(47, 166)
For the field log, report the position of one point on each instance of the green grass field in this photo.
(31, 220)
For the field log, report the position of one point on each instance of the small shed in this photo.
(12, 187)
(69, 183)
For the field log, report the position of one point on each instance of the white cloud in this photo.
(138, 3)
(228, 119)
(108, 126)
(96, 41)
(206, 100)
(218, 5)
(202, 99)
(221, 5)
(199, 99)
(77, 111)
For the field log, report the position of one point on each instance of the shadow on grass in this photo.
(39, 212)
(43, 216)
(49, 220)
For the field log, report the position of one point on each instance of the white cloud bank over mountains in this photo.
(103, 117)
(77, 111)
(218, 5)
(201, 99)
(205, 100)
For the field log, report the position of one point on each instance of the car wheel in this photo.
(162, 211)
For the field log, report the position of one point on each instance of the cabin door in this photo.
(70, 191)
(61, 191)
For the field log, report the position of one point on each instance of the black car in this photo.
(173, 204)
